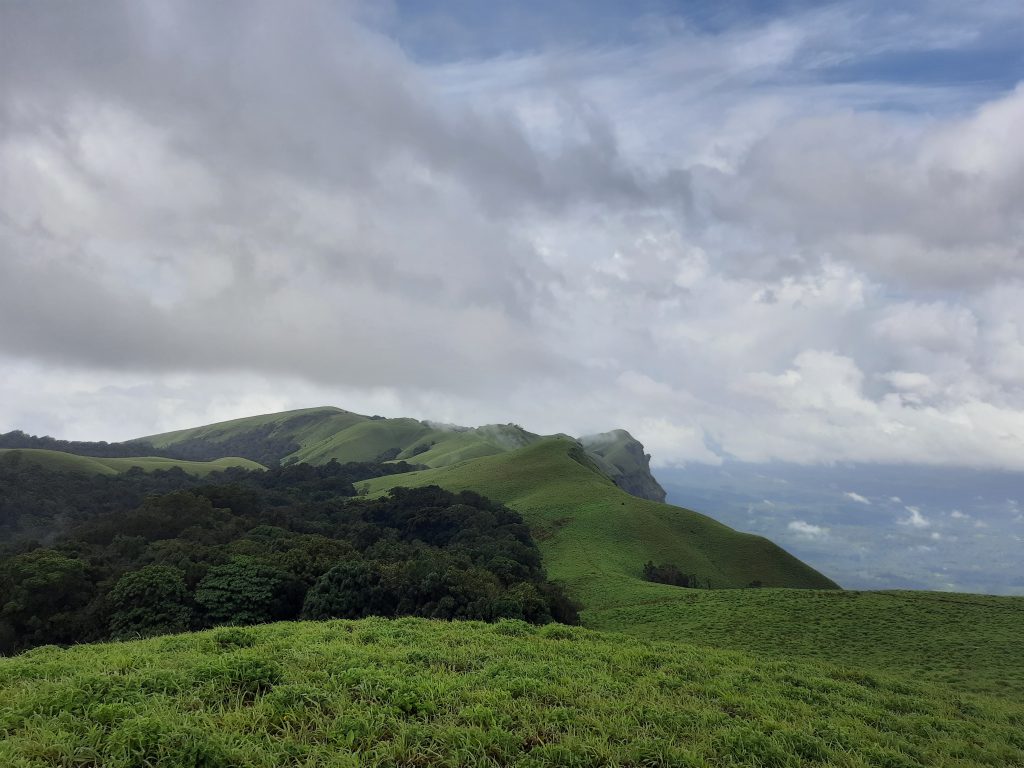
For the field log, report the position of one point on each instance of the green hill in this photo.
(68, 462)
(412, 692)
(596, 537)
(318, 435)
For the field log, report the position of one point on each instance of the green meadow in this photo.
(412, 692)
(970, 642)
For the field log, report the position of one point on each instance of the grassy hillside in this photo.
(414, 692)
(317, 435)
(974, 642)
(596, 538)
(67, 462)
(300, 422)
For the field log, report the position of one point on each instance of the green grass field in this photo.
(412, 692)
(67, 462)
(971, 642)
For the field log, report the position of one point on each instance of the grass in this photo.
(67, 462)
(413, 692)
(329, 420)
(971, 642)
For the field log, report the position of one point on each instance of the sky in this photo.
(747, 232)
(870, 526)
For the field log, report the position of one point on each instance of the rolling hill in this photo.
(596, 537)
(69, 462)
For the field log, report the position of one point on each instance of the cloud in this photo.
(916, 519)
(723, 240)
(956, 514)
(807, 530)
(857, 497)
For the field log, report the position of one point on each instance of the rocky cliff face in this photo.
(621, 457)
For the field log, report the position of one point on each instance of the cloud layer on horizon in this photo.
(707, 237)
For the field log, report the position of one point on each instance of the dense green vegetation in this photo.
(42, 500)
(666, 573)
(412, 692)
(103, 449)
(267, 545)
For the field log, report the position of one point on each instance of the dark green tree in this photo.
(41, 593)
(150, 601)
(350, 590)
(248, 591)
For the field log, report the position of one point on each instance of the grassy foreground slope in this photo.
(412, 692)
(974, 642)
(596, 537)
(68, 462)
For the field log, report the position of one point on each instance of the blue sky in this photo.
(929, 44)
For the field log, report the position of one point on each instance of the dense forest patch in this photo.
(140, 554)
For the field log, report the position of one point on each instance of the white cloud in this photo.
(956, 514)
(701, 239)
(857, 497)
(807, 530)
(916, 519)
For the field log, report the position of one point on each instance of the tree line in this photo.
(89, 558)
